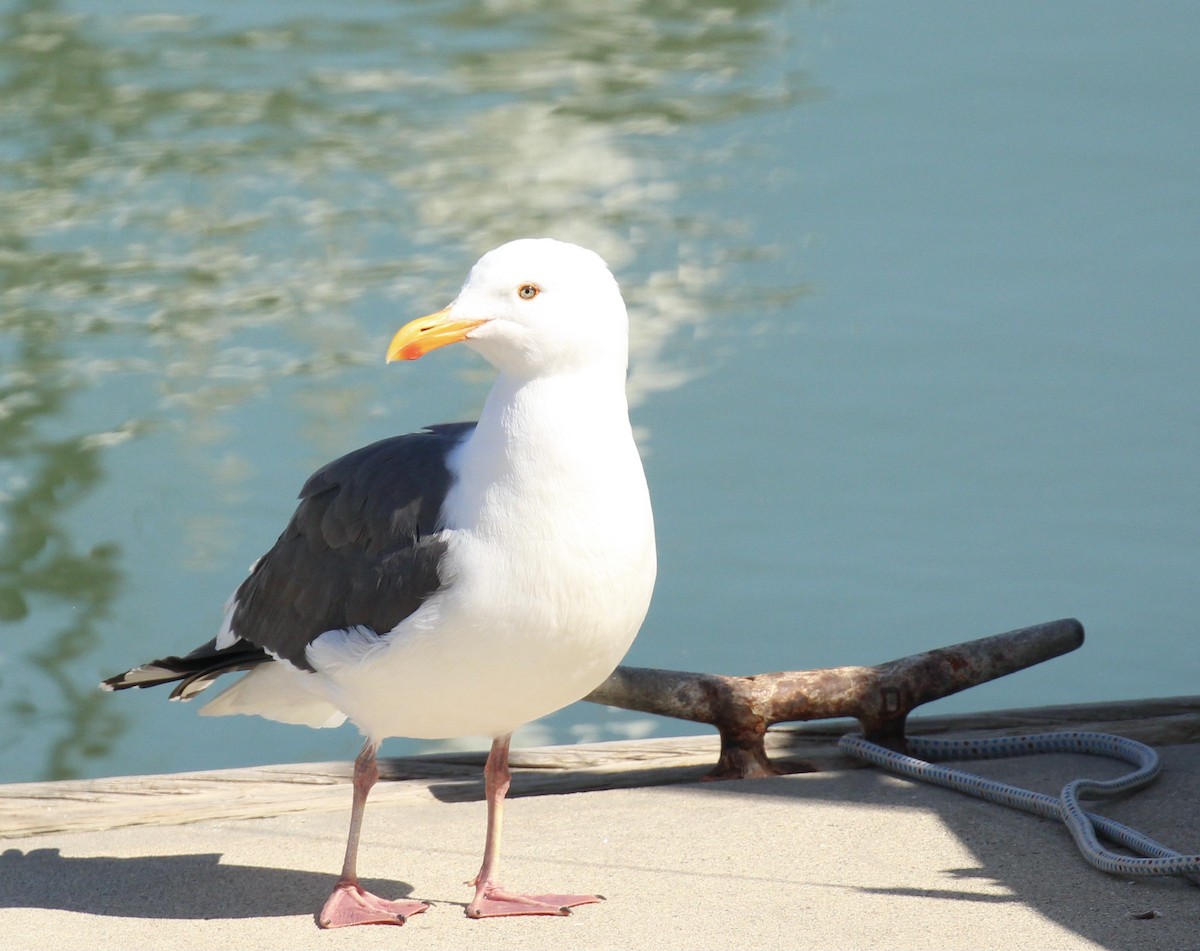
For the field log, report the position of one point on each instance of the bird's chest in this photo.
(573, 573)
(552, 535)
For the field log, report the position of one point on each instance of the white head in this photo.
(532, 307)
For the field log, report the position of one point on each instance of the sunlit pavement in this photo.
(843, 859)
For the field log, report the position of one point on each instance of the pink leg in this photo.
(491, 899)
(350, 903)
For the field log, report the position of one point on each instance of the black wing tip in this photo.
(147, 675)
(197, 671)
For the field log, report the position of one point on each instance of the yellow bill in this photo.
(418, 337)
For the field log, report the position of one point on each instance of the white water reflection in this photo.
(212, 219)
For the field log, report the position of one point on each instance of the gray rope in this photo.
(1154, 859)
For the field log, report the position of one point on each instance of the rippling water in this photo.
(913, 301)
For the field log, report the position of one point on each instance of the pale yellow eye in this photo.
(528, 291)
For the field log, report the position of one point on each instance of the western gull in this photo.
(462, 580)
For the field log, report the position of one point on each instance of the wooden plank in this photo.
(86, 805)
(90, 805)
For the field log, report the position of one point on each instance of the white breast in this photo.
(548, 576)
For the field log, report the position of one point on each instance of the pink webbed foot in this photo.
(351, 904)
(494, 902)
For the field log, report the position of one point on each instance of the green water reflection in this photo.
(201, 203)
(44, 573)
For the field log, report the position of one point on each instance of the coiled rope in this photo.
(1154, 859)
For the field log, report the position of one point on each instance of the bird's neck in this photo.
(541, 443)
(563, 408)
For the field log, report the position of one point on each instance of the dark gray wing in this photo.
(361, 549)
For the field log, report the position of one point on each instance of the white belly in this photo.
(514, 636)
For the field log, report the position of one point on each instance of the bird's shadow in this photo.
(196, 886)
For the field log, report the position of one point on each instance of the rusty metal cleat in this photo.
(879, 697)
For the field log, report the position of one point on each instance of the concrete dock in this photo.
(843, 857)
